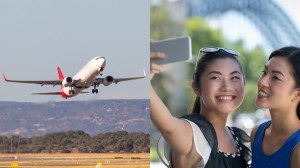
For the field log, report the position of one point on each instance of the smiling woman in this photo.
(202, 139)
(275, 143)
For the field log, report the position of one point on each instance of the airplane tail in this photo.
(60, 74)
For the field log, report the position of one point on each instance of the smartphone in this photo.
(176, 49)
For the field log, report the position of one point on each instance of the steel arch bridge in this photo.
(266, 15)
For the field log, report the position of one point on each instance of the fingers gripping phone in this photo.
(176, 49)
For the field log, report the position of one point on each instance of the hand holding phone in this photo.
(175, 49)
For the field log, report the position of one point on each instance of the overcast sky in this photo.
(37, 36)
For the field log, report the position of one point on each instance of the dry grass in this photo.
(108, 160)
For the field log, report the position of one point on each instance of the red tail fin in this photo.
(4, 76)
(60, 74)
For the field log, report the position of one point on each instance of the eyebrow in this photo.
(217, 72)
(274, 71)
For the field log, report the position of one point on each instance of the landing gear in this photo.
(95, 90)
(71, 92)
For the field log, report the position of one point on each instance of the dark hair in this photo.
(200, 67)
(292, 54)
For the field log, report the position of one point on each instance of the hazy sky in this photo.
(253, 36)
(37, 36)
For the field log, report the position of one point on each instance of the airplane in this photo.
(86, 77)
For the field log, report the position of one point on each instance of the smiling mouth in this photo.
(262, 94)
(225, 98)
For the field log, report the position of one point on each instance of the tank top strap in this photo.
(293, 141)
(244, 142)
(206, 128)
(260, 134)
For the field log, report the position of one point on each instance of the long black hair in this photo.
(292, 54)
(200, 67)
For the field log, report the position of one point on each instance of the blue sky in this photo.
(37, 36)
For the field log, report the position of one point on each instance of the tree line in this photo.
(78, 142)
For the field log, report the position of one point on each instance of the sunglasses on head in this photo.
(216, 49)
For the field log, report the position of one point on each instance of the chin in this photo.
(226, 111)
(261, 105)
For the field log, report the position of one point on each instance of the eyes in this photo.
(274, 76)
(232, 78)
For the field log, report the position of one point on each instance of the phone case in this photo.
(176, 49)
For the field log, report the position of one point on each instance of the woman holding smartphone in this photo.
(202, 139)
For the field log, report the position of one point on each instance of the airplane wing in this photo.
(117, 80)
(41, 82)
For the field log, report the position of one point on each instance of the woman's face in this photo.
(276, 86)
(222, 86)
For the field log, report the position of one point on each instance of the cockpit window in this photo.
(98, 58)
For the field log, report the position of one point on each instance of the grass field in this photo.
(87, 160)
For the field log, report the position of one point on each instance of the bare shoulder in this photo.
(295, 160)
(181, 138)
(252, 134)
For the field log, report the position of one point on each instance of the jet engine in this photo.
(67, 81)
(108, 80)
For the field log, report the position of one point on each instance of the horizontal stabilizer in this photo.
(48, 93)
(53, 93)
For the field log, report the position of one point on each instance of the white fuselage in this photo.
(85, 77)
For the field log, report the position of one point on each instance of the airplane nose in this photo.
(100, 58)
(102, 64)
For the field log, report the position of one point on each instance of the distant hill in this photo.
(92, 117)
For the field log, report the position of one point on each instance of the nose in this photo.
(225, 86)
(263, 81)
